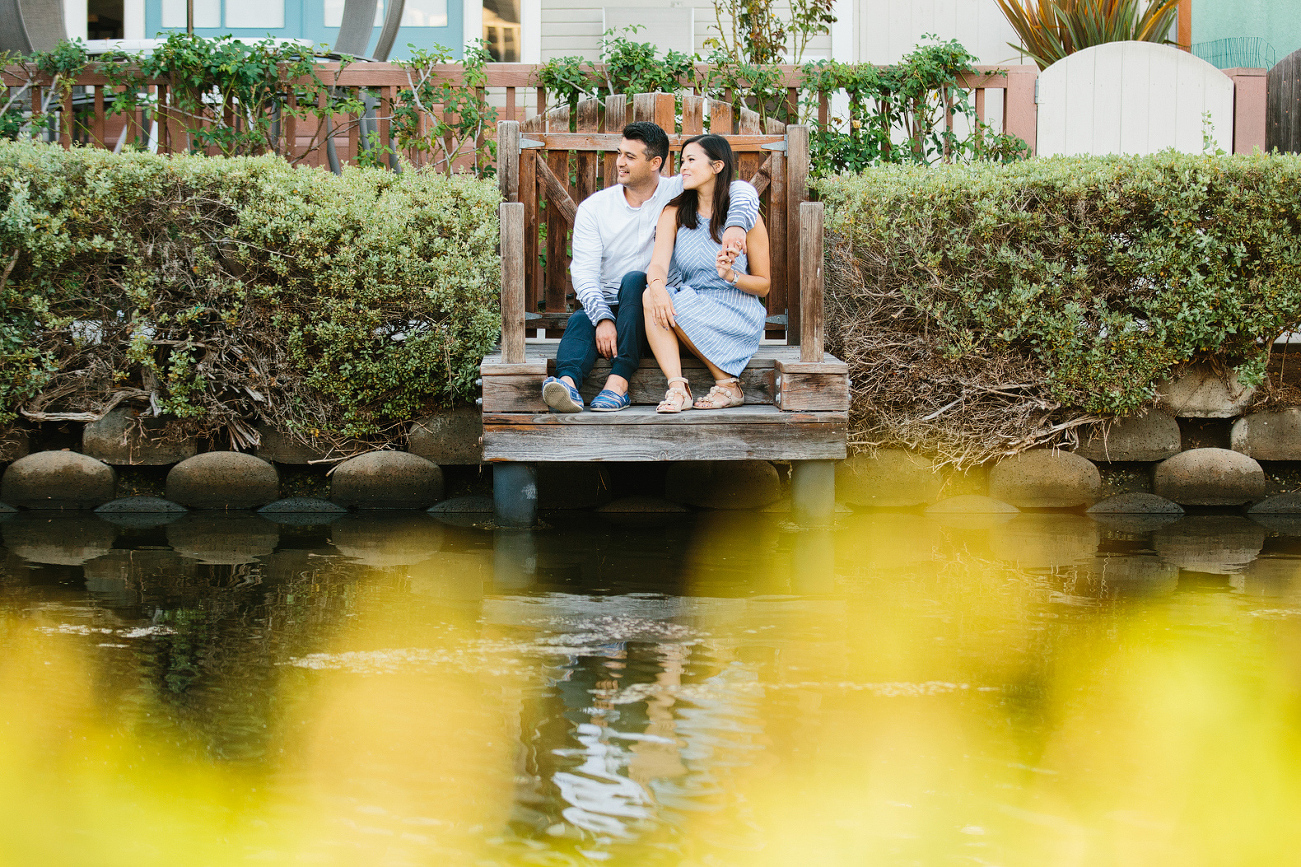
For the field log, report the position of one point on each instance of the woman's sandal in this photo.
(721, 396)
(676, 399)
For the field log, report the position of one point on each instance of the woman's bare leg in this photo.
(664, 345)
(714, 371)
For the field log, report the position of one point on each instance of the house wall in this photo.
(573, 27)
(1278, 22)
(888, 29)
(877, 31)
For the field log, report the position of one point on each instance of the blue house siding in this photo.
(305, 19)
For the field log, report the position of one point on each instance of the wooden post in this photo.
(508, 151)
(1020, 113)
(512, 282)
(1249, 109)
(1185, 36)
(813, 492)
(811, 330)
(797, 174)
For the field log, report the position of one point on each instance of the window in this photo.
(261, 14)
(250, 14)
(416, 13)
(501, 29)
(207, 13)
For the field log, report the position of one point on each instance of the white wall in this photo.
(876, 31)
(573, 27)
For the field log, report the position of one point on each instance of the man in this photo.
(614, 235)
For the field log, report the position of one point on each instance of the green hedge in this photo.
(986, 308)
(228, 292)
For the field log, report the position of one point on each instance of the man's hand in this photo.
(607, 338)
(734, 240)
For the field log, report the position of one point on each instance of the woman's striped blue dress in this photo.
(723, 322)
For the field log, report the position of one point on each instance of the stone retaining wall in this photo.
(1196, 449)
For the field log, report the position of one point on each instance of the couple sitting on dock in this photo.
(665, 262)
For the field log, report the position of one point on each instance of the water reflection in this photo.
(715, 688)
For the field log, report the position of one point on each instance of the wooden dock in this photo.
(797, 396)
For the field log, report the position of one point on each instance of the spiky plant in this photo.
(1052, 29)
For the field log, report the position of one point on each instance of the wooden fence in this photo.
(511, 87)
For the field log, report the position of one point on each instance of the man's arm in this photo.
(744, 208)
(742, 214)
(585, 266)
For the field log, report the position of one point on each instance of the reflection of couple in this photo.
(707, 250)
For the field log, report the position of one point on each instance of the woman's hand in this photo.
(724, 262)
(658, 306)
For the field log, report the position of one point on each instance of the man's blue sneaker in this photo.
(561, 396)
(609, 401)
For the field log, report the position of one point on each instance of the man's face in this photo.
(632, 164)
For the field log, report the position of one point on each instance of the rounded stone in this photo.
(389, 540)
(1268, 436)
(302, 512)
(890, 478)
(58, 480)
(139, 506)
(1136, 504)
(1280, 504)
(723, 484)
(302, 506)
(223, 480)
(1151, 437)
(58, 540)
(471, 511)
(1201, 391)
(448, 437)
(224, 540)
(386, 480)
(1209, 477)
(1045, 541)
(1215, 544)
(123, 438)
(1045, 479)
(141, 513)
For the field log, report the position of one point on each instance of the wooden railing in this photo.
(511, 87)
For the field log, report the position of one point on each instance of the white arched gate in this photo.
(1133, 98)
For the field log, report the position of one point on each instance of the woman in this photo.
(699, 294)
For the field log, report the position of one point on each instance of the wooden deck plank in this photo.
(760, 414)
(767, 356)
(641, 438)
(523, 392)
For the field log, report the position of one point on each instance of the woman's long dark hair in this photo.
(687, 202)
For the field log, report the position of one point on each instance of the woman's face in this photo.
(697, 169)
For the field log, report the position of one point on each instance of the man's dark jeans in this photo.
(577, 352)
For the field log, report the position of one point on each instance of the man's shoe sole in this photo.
(556, 396)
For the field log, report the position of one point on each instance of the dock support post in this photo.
(813, 492)
(515, 494)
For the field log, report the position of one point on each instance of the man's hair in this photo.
(649, 134)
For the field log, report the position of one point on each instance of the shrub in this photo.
(987, 308)
(227, 292)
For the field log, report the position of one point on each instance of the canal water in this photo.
(707, 689)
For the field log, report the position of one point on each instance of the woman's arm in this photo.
(759, 280)
(656, 303)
